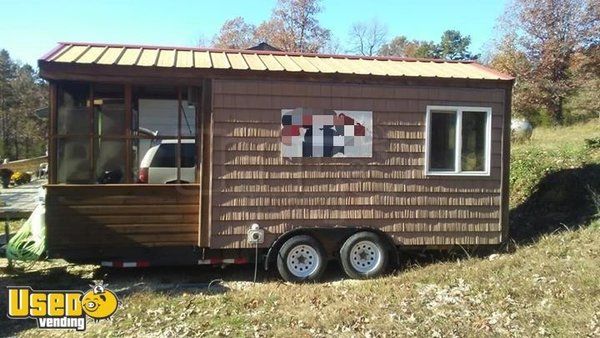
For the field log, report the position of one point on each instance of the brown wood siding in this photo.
(251, 182)
(105, 218)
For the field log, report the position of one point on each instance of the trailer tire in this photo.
(301, 259)
(364, 255)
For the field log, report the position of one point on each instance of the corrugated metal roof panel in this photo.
(166, 58)
(324, 65)
(111, 56)
(130, 56)
(304, 64)
(219, 61)
(237, 61)
(148, 57)
(202, 60)
(185, 59)
(246, 60)
(254, 62)
(71, 54)
(403, 69)
(361, 67)
(271, 63)
(91, 55)
(287, 63)
(375, 67)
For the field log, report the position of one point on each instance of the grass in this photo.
(13, 225)
(550, 150)
(549, 287)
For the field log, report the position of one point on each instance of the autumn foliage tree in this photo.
(547, 34)
(235, 34)
(293, 26)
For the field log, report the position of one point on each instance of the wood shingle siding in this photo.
(251, 182)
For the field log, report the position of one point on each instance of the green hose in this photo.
(29, 243)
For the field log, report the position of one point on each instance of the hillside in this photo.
(544, 282)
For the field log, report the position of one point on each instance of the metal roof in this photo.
(262, 61)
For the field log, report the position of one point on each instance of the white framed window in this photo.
(458, 140)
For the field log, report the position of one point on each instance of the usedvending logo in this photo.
(61, 309)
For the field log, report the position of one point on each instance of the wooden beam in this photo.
(128, 133)
(206, 163)
(52, 146)
(505, 176)
(198, 134)
(91, 113)
(178, 150)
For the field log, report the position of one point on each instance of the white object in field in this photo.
(38, 223)
(520, 129)
(256, 235)
(161, 175)
(41, 196)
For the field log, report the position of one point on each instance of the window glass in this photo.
(73, 161)
(159, 163)
(73, 114)
(473, 141)
(457, 140)
(166, 154)
(442, 141)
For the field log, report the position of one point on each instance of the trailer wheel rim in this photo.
(366, 257)
(303, 260)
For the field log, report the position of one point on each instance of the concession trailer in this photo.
(169, 155)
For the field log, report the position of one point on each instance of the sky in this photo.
(30, 28)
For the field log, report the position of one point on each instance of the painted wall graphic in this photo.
(326, 133)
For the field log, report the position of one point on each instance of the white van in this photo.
(159, 165)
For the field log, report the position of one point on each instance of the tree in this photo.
(21, 92)
(585, 68)
(366, 38)
(27, 132)
(401, 46)
(549, 32)
(235, 34)
(454, 46)
(294, 26)
(7, 74)
(510, 60)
